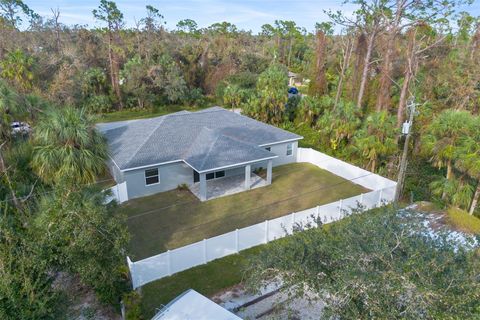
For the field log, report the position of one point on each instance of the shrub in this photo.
(132, 303)
(98, 104)
(182, 187)
(194, 98)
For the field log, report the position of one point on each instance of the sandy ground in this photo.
(270, 303)
(82, 303)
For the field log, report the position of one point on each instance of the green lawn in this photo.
(462, 221)
(207, 279)
(129, 114)
(176, 218)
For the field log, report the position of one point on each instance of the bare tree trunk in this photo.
(289, 52)
(476, 196)
(320, 52)
(343, 69)
(366, 68)
(383, 95)
(56, 16)
(114, 70)
(410, 71)
(403, 99)
(449, 169)
(449, 176)
(475, 44)
(360, 52)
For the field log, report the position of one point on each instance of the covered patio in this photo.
(232, 181)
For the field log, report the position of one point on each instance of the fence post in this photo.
(380, 198)
(340, 208)
(204, 251)
(318, 215)
(236, 241)
(266, 231)
(132, 271)
(293, 220)
(169, 263)
(361, 199)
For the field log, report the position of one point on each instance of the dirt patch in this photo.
(82, 302)
(437, 218)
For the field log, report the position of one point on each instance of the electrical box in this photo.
(406, 127)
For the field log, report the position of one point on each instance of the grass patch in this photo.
(129, 114)
(176, 218)
(462, 221)
(207, 279)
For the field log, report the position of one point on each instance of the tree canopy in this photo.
(381, 265)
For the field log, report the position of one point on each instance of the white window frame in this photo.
(157, 175)
(289, 148)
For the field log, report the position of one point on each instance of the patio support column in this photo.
(269, 171)
(248, 169)
(203, 186)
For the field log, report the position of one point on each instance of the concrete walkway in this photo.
(221, 187)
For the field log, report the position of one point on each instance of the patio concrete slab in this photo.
(221, 187)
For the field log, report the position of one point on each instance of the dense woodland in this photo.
(364, 74)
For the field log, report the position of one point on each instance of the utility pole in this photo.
(406, 130)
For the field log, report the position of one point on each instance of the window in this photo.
(289, 149)
(268, 149)
(215, 175)
(151, 176)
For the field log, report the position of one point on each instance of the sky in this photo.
(246, 14)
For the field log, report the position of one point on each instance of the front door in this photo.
(196, 176)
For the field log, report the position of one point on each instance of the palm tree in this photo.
(442, 137)
(272, 86)
(453, 191)
(376, 139)
(338, 125)
(68, 149)
(233, 96)
(309, 110)
(469, 162)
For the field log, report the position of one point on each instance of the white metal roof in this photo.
(191, 305)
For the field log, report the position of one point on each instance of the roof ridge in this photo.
(211, 147)
(182, 113)
(162, 118)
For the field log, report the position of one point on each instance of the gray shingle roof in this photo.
(205, 139)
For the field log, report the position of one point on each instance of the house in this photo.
(296, 80)
(213, 151)
(191, 305)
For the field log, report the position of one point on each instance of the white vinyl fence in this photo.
(119, 193)
(198, 253)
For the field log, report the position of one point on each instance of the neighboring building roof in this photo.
(206, 139)
(292, 74)
(191, 305)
